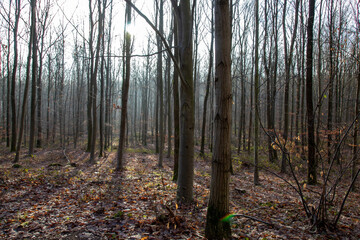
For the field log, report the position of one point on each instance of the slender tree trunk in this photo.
(93, 81)
(288, 62)
(102, 86)
(357, 109)
(48, 100)
(257, 98)
(208, 81)
(311, 176)
(176, 106)
(218, 206)
(168, 70)
(33, 92)
(125, 91)
(8, 84)
(13, 79)
(160, 86)
(32, 46)
(331, 80)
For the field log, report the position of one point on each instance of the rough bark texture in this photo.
(221, 162)
(187, 113)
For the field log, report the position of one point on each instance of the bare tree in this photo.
(13, 78)
(32, 46)
(218, 206)
(125, 89)
(312, 179)
(187, 111)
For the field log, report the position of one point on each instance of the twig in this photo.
(343, 202)
(67, 158)
(255, 219)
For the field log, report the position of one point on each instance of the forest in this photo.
(179, 119)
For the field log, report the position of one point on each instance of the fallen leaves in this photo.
(96, 202)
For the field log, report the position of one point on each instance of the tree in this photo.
(218, 206)
(311, 176)
(160, 9)
(13, 79)
(288, 53)
(94, 70)
(33, 91)
(187, 108)
(257, 99)
(208, 82)
(32, 46)
(43, 23)
(176, 106)
(125, 89)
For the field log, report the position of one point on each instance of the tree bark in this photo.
(160, 86)
(311, 175)
(208, 82)
(218, 206)
(187, 113)
(257, 99)
(176, 106)
(32, 46)
(125, 91)
(13, 79)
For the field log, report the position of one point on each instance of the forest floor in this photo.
(48, 198)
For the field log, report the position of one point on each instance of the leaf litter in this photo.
(48, 198)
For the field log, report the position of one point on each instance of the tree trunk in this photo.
(32, 46)
(160, 86)
(311, 176)
(187, 114)
(176, 106)
(331, 80)
(257, 99)
(13, 79)
(208, 81)
(218, 206)
(125, 91)
(288, 61)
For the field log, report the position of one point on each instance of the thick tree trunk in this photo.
(187, 113)
(218, 206)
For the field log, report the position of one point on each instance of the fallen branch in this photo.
(254, 219)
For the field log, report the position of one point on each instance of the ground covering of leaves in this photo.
(48, 198)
